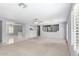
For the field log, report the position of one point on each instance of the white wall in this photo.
(59, 34)
(3, 30)
(70, 32)
(30, 33)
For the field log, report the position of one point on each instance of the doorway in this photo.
(0, 31)
(38, 30)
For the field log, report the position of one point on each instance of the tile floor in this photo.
(36, 47)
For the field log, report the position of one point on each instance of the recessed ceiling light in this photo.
(23, 5)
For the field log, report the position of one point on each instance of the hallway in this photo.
(36, 47)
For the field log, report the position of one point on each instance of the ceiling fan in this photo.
(37, 21)
(23, 5)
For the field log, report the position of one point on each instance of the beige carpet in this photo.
(36, 47)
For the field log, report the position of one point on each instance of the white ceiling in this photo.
(42, 11)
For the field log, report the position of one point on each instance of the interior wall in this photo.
(70, 31)
(67, 32)
(3, 30)
(0, 31)
(71, 49)
(31, 31)
(59, 34)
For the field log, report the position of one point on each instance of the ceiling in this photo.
(45, 12)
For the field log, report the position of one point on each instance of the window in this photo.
(10, 29)
(50, 28)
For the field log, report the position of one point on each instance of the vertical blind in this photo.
(75, 28)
